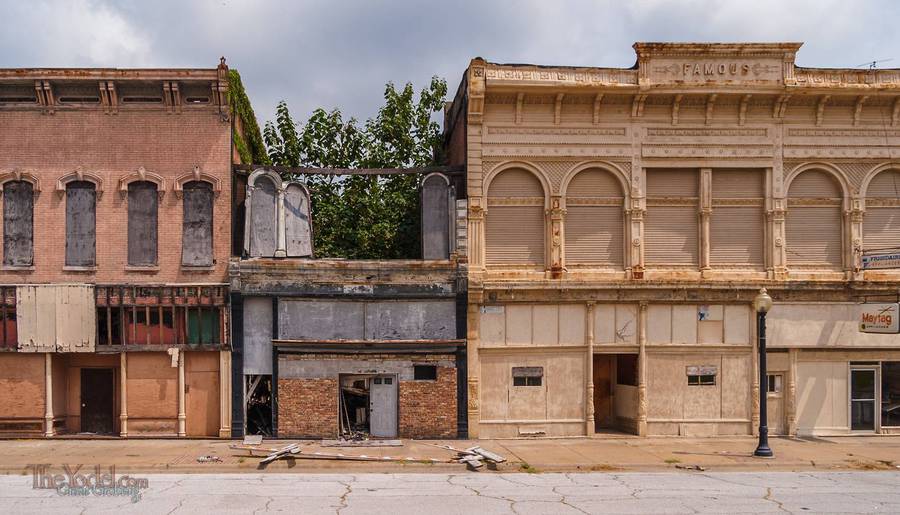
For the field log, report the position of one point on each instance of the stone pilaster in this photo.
(556, 216)
(642, 370)
(48, 395)
(123, 395)
(589, 417)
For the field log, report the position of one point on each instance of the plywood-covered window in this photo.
(197, 224)
(18, 223)
(881, 223)
(143, 212)
(814, 227)
(263, 218)
(671, 225)
(515, 220)
(595, 224)
(81, 224)
(737, 223)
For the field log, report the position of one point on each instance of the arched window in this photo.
(263, 218)
(814, 227)
(881, 224)
(197, 224)
(81, 223)
(143, 213)
(514, 221)
(18, 223)
(436, 209)
(595, 223)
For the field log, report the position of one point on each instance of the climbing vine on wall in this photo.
(247, 138)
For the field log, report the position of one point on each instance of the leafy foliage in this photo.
(357, 216)
(247, 139)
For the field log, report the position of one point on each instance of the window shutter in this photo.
(297, 222)
(671, 224)
(885, 185)
(514, 223)
(737, 222)
(18, 223)
(196, 238)
(881, 222)
(814, 235)
(594, 223)
(670, 235)
(143, 204)
(813, 224)
(81, 224)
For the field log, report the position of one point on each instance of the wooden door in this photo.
(603, 415)
(383, 407)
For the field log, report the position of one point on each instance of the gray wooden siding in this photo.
(197, 231)
(81, 224)
(143, 212)
(18, 224)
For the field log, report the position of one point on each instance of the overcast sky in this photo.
(340, 53)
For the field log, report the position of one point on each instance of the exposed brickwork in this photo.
(428, 408)
(307, 407)
(113, 146)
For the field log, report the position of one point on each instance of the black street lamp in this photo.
(762, 304)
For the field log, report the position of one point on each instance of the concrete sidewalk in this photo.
(533, 455)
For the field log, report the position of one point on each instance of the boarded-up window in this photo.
(263, 224)
(81, 224)
(814, 227)
(435, 218)
(595, 224)
(671, 225)
(515, 220)
(297, 222)
(881, 224)
(197, 231)
(18, 224)
(143, 204)
(737, 224)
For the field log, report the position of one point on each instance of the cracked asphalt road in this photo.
(683, 492)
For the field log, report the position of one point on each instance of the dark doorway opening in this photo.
(97, 400)
(259, 404)
(615, 392)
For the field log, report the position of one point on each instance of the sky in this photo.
(340, 53)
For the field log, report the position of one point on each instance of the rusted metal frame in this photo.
(305, 170)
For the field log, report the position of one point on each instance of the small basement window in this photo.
(425, 372)
(702, 375)
(527, 376)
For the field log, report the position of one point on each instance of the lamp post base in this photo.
(763, 451)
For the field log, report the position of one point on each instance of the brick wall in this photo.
(428, 408)
(113, 146)
(308, 408)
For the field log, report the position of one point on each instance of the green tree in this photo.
(357, 216)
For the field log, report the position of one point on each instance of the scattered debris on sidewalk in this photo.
(473, 457)
(209, 459)
(253, 440)
(361, 443)
(690, 467)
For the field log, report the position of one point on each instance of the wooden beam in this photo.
(289, 343)
(307, 170)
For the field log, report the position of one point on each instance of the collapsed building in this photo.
(345, 348)
(621, 220)
(116, 240)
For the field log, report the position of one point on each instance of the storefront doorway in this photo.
(863, 395)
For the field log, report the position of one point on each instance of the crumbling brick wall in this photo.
(428, 408)
(307, 407)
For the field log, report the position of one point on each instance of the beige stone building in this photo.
(622, 220)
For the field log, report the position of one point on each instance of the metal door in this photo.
(863, 392)
(383, 407)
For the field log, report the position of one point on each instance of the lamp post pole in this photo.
(762, 303)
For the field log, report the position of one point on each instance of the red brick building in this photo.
(116, 237)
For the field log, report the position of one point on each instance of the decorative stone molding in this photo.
(142, 175)
(196, 175)
(79, 175)
(282, 248)
(19, 175)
